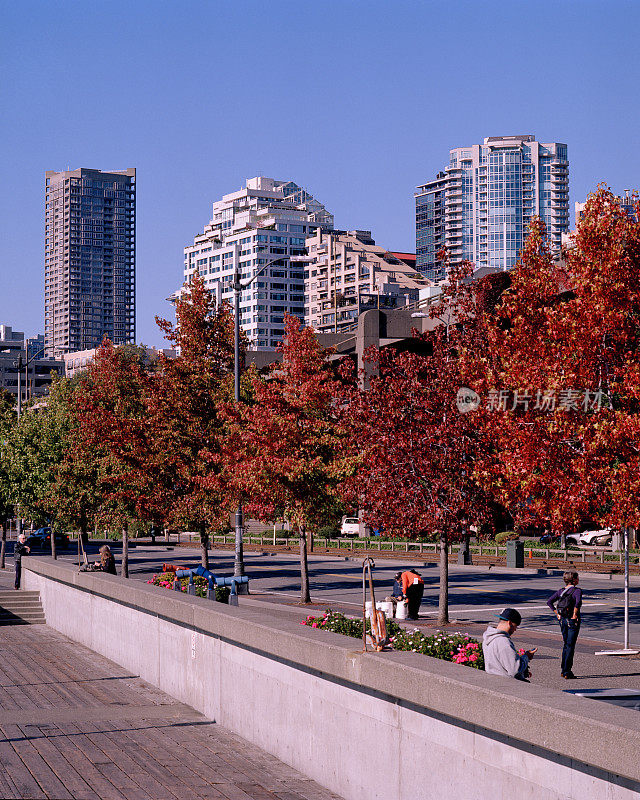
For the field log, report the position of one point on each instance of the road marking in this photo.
(524, 608)
(317, 599)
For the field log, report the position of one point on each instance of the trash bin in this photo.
(515, 553)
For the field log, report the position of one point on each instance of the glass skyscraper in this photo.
(89, 264)
(480, 206)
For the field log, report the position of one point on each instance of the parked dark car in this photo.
(551, 538)
(41, 539)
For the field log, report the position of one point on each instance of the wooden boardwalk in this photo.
(75, 726)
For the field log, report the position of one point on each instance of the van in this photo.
(350, 526)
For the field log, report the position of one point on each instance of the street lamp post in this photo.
(18, 515)
(238, 563)
(238, 286)
(26, 386)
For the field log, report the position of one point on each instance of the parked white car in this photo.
(600, 537)
(350, 526)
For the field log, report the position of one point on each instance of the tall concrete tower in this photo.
(90, 262)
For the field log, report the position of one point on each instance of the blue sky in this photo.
(356, 101)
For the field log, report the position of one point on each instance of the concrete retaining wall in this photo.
(388, 726)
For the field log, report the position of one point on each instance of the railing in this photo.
(584, 555)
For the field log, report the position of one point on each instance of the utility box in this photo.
(464, 553)
(515, 553)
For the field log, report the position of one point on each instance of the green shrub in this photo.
(328, 532)
(505, 536)
(138, 528)
(535, 544)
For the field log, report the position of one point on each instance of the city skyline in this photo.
(365, 121)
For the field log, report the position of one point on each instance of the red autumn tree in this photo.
(283, 446)
(184, 403)
(531, 451)
(565, 357)
(412, 451)
(113, 435)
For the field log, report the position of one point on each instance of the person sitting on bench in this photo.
(107, 562)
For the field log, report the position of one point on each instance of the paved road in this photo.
(476, 594)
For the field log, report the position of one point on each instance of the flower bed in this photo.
(455, 647)
(166, 579)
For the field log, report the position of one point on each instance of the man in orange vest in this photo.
(412, 589)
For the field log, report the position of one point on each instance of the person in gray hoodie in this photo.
(500, 655)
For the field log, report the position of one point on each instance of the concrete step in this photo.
(21, 608)
(29, 610)
(22, 619)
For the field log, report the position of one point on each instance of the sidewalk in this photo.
(592, 672)
(75, 726)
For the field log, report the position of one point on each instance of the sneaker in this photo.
(569, 676)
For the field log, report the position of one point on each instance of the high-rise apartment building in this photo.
(33, 378)
(90, 264)
(627, 204)
(480, 206)
(263, 226)
(348, 274)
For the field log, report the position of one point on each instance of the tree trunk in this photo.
(84, 533)
(443, 598)
(204, 545)
(305, 596)
(563, 540)
(54, 554)
(3, 546)
(166, 534)
(124, 569)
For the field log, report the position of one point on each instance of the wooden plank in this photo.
(70, 745)
(39, 768)
(70, 777)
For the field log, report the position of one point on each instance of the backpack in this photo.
(566, 603)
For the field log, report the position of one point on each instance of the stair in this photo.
(21, 608)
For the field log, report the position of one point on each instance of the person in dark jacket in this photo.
(20, 550)
(107, 562)
(565, 604)
(396, 595)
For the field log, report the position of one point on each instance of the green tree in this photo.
(73, 488)
(38, 446)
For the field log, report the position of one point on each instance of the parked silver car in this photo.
(597, 538)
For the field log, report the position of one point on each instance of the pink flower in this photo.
(314, 625)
